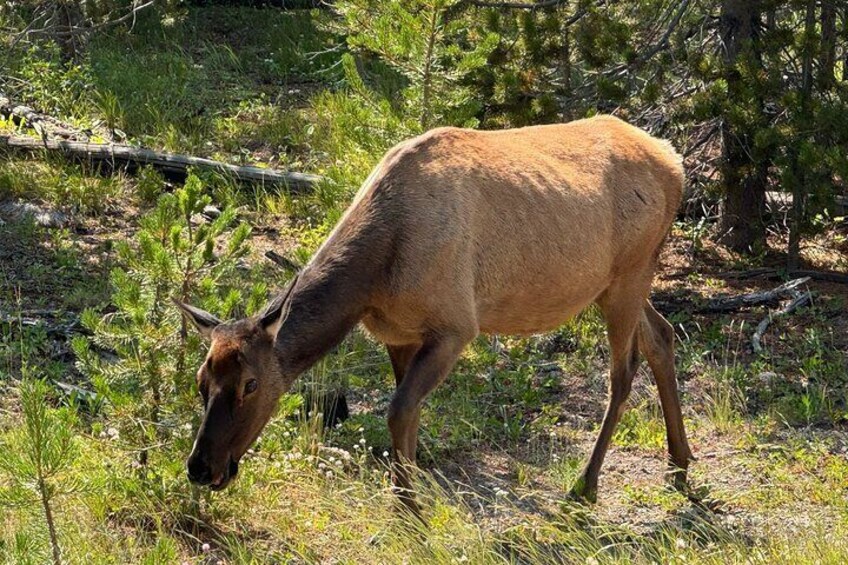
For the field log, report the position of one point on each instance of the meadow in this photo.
(98, 404)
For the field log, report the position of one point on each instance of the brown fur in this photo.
(458, 232)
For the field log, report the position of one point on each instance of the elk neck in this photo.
(331, 294)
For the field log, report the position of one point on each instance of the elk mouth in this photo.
(223, 479)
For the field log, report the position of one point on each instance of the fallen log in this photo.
(45, 125)
(169, 163)
(827, 276)
(794, 304)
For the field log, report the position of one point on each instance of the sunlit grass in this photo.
(331, 504)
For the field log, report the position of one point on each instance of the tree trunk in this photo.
(69, 15)
(799, 176)
(48, 517)
(845, 43)
(427, 72)
(744, 180)
(565, 71)
(828, 43)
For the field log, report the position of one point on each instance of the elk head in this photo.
(240, 383)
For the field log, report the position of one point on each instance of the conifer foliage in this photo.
(35, 455)
(140, 357)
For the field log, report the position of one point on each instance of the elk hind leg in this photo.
(656, 341)
(621, 308)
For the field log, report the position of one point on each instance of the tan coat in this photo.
(513, 231)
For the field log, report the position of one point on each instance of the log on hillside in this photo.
(169, 163)
(769, 273)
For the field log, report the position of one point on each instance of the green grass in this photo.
(74, 188)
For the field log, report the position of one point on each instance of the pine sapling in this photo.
(36, 453)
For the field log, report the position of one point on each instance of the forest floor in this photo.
(501, 441)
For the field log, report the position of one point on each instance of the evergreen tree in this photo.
(176, 254)
(35, 456)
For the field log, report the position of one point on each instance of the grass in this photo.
(502, 440)
(302, 501)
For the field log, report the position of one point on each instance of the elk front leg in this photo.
(401, 356)
(429, 367)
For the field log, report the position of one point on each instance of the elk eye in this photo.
(250, 386)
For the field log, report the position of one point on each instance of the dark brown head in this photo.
(240, 383)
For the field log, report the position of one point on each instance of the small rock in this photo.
(43, 217)
(211, 212)
(767, 378)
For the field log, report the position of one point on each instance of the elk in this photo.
(459, 232)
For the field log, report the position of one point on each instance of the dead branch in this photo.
(115, 154)
(731, 303)
(282, 261)
(70, 30)
(794, 304)
(727, 304)
(663, 42)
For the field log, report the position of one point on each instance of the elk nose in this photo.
(199, 471)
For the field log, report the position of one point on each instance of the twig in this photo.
(281, 260)
(797, 302)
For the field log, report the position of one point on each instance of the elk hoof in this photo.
(583, 492)
(676, 477)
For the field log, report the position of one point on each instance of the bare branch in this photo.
(797, 302)
(663, 42)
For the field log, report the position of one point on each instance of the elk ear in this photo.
(202, 320)
(274, 314)
(272, 317)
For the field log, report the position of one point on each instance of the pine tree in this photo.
(433, 53)
(36, 454)
(176, 254)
